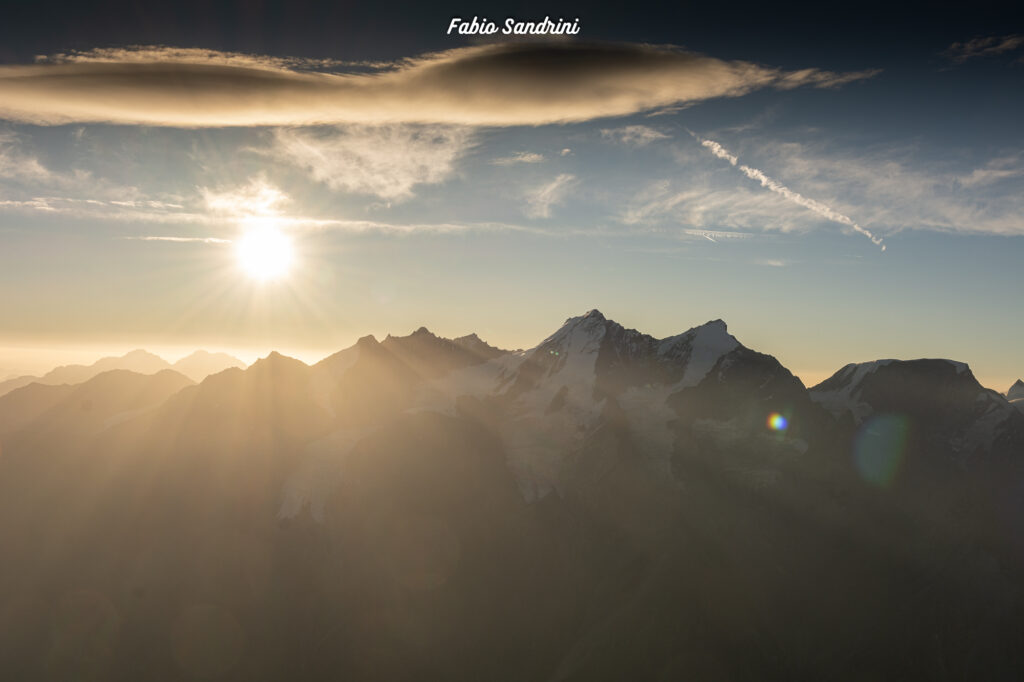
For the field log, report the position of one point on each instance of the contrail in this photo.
(777, 187)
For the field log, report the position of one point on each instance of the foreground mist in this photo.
(604, 506)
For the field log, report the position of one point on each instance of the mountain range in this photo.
(603, 506)
(196, 366)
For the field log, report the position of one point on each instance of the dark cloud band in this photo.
(489, 85)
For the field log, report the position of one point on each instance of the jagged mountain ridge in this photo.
(605, 505)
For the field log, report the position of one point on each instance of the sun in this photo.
(264, 253)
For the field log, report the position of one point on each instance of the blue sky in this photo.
(557, 181)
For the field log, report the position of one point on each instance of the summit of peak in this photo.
(1016, 391)
(422, 332)
(275, 359)
(593, 315)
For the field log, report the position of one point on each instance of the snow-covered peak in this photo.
(700, 348)
(1016, 391)
(841, 392)
(581, 334)
(844, 391)
(852, 375)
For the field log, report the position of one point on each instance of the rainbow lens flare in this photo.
(776, 422)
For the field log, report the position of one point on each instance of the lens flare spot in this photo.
(777, 422)
(880, 447)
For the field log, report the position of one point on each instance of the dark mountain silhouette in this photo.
(1016, 391)
(603, 506)
(1016, 395)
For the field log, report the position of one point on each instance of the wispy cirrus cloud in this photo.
(540, 200)
(16, 163)
(182, 240)
(503, 84)
(257, 197)
(893, 188)
(223, 211)
(777, 187)
(702, 209)
(985, 46)
(519, 157)
(387, 161)
(194, 55)
(718, 235)
(633, 135)
(140, 211)
(993, 171)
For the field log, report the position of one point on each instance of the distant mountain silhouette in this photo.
(603, 506)
(196, 366)
(201, 364)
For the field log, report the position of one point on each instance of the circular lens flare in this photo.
(776, 422)
(264, 253)
(880, 448)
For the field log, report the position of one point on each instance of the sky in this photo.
(838, 185)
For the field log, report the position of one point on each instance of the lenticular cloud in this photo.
(504, 84)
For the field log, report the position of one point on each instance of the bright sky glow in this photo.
(425, 179)
(264, 253)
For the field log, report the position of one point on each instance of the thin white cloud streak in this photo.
(121, 211)
(201, 240)
(780, 189)
(231, 209)
(192, 55)
(484, 85)
(540, 200)
(385, 161)
(633, 135)
(718, 235)
(517, 158)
